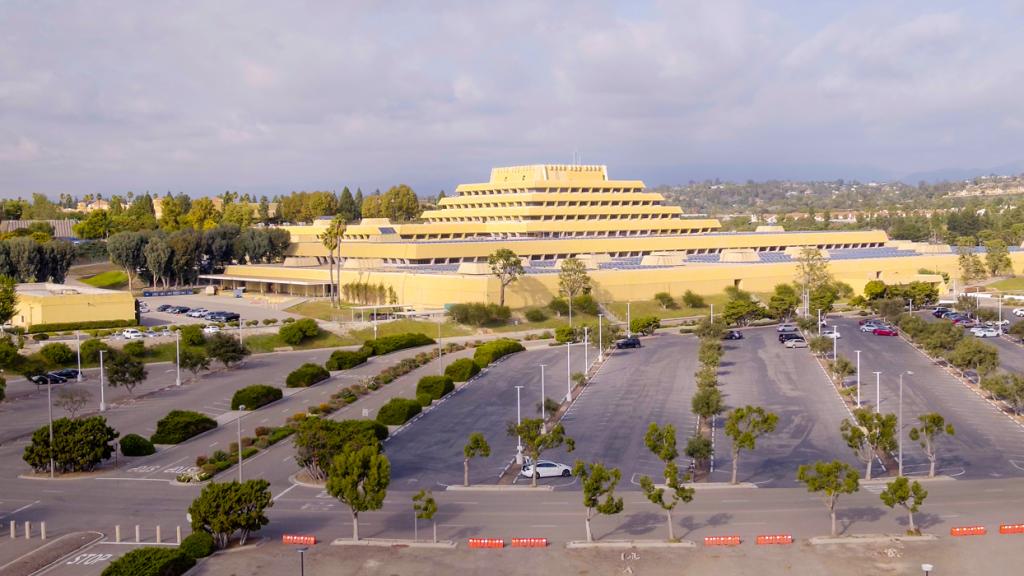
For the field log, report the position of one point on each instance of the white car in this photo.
(211, 329)
(832, 334)
(547, 469)
(795, 343)
(1018, 312)
(786, 328)
(982, 332)
(132, 334)
(197, 312)
(870, 326)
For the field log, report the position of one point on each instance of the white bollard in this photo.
(14, 530)
(117, 534)
(157, 533)
(137, 538)
(179, 536)
(42, 530)
(28, 530)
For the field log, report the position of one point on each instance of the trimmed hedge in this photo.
(198, 545)
(151, 561)
(462, 370)
(295, 332)
(434, 386)
(57, 353)
(345, 359)
(91, 350)
(65, 326)
(398, 411)
(135, 445)
(252, 397)
(536, 315)
(491, 351)
(388, 344)
(307, 375)
(180, 425)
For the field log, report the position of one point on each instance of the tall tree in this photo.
(831, 480)
(971, 266)
(909, 495)
(744, 426)
(997, 258)
(573, 281)
(359, 478)
(870, 433)
(158, 258)
(536, 441)
(228, 507)
(358, 199)
(933, 425)
(347, 206)
(124, 370)
(59, 255)
(170, 213)
(187, 245)
(203, 215)
(662, 442)
(425, 507)
(126, 251)
(707, 402)
(8, 299)
(477, 446)
(506, 267)
(812, 269)
(783, 302)
(226, 349)
(598, 482)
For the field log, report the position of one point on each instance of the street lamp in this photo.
(78, 345)
(177, 357)
(899, 423)
(543, 403)
(103, 403)
(927, 569)
(302, 561)
(819, 321)
(49, 409)
(241, 408)
(568, 371)
(858, 378)
(519, 420)
(586, 351)
(439, 368)
(629, 323)
(712, 313)
(240, 329)
(878, 392)
(600, 338)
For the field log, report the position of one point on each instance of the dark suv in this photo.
(222, 316)
(631, 342)
(789, 336)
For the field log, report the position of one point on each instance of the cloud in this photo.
(268, 97)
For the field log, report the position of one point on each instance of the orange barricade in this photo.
(296, 539)
(1011, 528)
(968, 531)
(775, 539)
(486, 543)
(721, 540)
(529, 542)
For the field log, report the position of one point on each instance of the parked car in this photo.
(197, 312)
(949, 315)
(631, 342)
(547, 469)
(997, 323)
(163, 307)
(786, 336)
(939, 311)
(733, 335)
(886, 331)
(131, 334)
(46, 379)
(796, 343)
(871, 326)
(832, 334)
(143, 307)
(211, 329)
(864, 321)
(180, 310)
(786, 328)
(985, 332)
(68, 374)
(222, 316)
(1018, 312)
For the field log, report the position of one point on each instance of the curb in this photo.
(499, 488)
(871, 539)
(580, 544)
(296, 482)
(389, 542)
(717, 485)
(885, 480)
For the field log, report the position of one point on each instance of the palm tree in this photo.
(331, 239)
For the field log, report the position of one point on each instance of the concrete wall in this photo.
(63, 308)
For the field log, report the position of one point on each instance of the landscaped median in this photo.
(219, 461)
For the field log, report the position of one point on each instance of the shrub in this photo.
(3, 389)
(666, 301)
(135, 445)
(645, 324)
(192, 335)
(296, 332)
(536, 315)
(180, 425)
(564, 334)
(435, 386)
(693, 300)
(388, 344)
(558, 306)
(398, 411)
(252, 322)
(135, 348)
(57, 353)
(307, 375)
(462, 370)
(424, 399)
(491, 351)
(269, 321)
(78, 445)
(64, 326)
(345, 359)
(479, 314)
(40, 337)
(151, 561)
(586, 304)
(197, 545)
(280, 434)
(288, 320)
(252, 397)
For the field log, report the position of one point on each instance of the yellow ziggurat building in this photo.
(633, 244)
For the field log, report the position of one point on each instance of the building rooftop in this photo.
(51, 289)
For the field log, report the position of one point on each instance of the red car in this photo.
(885, 331)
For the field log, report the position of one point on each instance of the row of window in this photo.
(553, 218)
(551, 203)
(493, 191)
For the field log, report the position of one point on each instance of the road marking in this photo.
(546, 525)
(286, 490)
(734, 501)
(22, 509)
(214, 444)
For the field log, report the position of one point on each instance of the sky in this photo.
(270, 97)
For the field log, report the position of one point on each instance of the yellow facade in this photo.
(44, 303)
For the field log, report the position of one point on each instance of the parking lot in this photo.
(248, 309)
(987, 444)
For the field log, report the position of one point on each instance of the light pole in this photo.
(629, 323)
(240, 329)
(600, 338)
(439, 368)
(586, 351)
(177, 357)
(519, 420)
(899, 423)
(374, 323)
(927, 569)
(543, 403)
(712, 313)
(878, 392)
(302, 561)
(242, 409)
(103, 403)
(858, 378)
(568, 371)
(49, 409)
(819, 321)
(78, 345)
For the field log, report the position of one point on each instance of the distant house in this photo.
(61, 228)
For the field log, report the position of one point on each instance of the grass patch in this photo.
(111, 280)
(405, 326)
(652, 308)
(551, 323)
(267, 342)
(1009, 285)
(321, 309)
